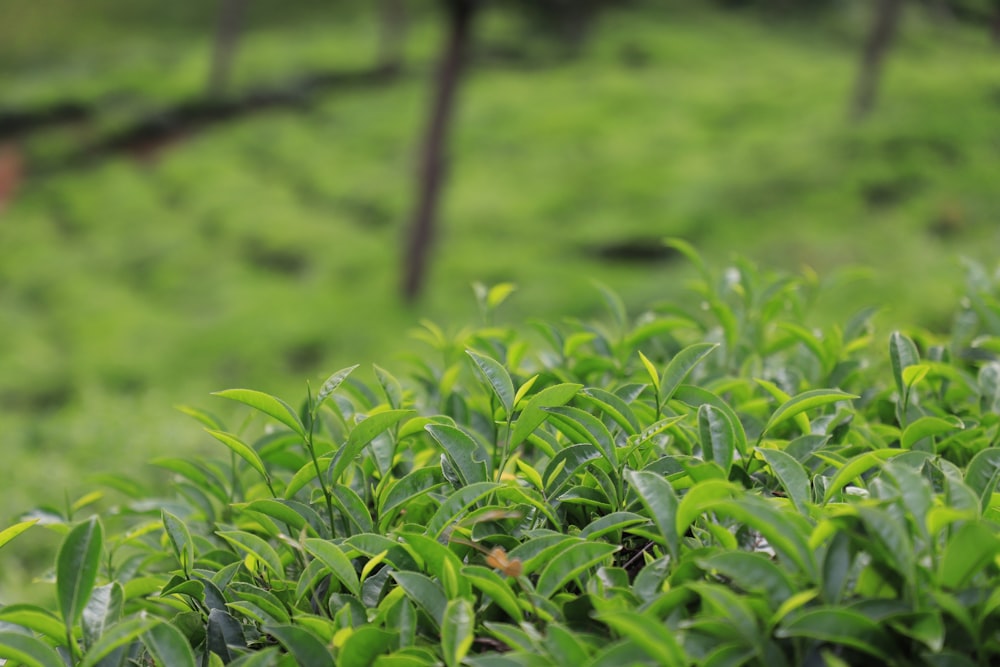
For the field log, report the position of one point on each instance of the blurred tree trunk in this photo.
(227, 34)
(995, 22)
(883, 31)
(392, 31)
(432, 165)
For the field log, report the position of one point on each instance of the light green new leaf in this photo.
(288, 512)
(119, 635)
(305, 474)
(570, 564)
(718, 437)
(467, 454)
(650, 370)
(493, 585)
(269, 405)
(336, 561)
(7, 534)
(533, 415)
(26, 650)
(805, 401)
(660, 501)
(256, 547)
(791, 474)
(655, 638)
(360, 436)
(404, 491)
(457, 631)
(681, 366)
(168, 646)
(497, 377)
(840, 626)
(787, 533)
(439, 561)
(969, 550)
(307, 649)
(76, 568)
(243, 450)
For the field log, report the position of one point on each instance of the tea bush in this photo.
(718, 485)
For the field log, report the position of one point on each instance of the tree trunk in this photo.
(392, 31)
(884, 26)
(995, 23)
(227, 34)
(431, 172)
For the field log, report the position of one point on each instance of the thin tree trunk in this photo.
(884, 27)
(392, 31)
(431, 174)
(227, 34)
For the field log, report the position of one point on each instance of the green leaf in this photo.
(983, 470)
(653, 637)
(791, 475)
(533, 414)
(855, 467)
(457, 631)
(76, 568)
(805, 401)
(331, 384)
(785, 532)
(451, 509)
(661, 502)
(168, 646)
(752, 572)
(256, 547)
(493, 585)
(574, 421)
(365, 645)
(926, 427)
(307, 649)
(180, 539)
(902, 353)
(119, 635)
(699, 499)
(404, 491)
(681, 366)
(468, 455)
(696, 397)
(243, 450)
(27, 650)
(360, 436)
(104, 609)
(390, 386)
(7, 534)
(840, 626)
(498, 378)
(426, 593)
(718, 437)
(969, 550)
(305, 474)
(269, 405)
(34, 618)
(570, 564)
(337, 562)
(222, 633)
(284, 512)
(439, 561)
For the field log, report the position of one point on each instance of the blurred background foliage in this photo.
(201, 195)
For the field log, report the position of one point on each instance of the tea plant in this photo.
(718, 486)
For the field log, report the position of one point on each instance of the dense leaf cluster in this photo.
(717, 486)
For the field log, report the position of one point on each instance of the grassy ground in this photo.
(264, 252)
